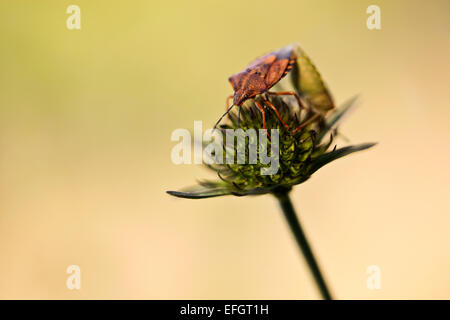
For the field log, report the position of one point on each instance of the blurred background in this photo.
(85, 123)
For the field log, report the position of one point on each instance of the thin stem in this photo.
(294, 224)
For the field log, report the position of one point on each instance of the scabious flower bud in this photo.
(300, 153)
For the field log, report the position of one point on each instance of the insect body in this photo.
(261, 75)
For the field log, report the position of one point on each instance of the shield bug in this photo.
(261, 75)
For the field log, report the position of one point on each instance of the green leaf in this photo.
(328, 157)
(199, 192)
(335, 118)
(308, 83)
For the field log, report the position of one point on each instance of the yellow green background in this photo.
(85, 123)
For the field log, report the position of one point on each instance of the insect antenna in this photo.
(239, 117)
(226, 112)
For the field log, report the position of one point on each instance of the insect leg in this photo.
(304, 124)
(289, 93)
(263, 116)
(276, 112)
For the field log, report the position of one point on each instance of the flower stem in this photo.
(294, 224)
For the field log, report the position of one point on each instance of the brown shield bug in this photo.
(261, 75)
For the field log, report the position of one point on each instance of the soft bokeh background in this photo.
(85, 124)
